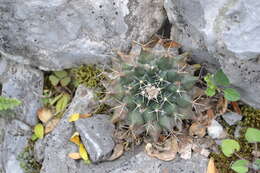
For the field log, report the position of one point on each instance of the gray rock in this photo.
(96, 134)
(58, 34)
(26, 84)
(140, 162)
(215, 130)
(232, 118)
(237, 131)
(56, 145)
(15, 140)
(225, 34)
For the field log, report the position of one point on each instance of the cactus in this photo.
(154, 90)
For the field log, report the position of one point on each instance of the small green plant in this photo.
(58, 94)
(154, 91)
(230, 147)
(220, 82)
(8, 103)
(60, 77)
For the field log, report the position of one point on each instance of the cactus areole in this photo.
(154, 90)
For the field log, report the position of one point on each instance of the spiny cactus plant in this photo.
(154, 90)
(8, 103)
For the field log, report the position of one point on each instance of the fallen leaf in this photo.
(167, 155)
(222, 105)
(256, 154)
(185, 146)
(74, 117)
(210, 114)
(197, 129)
(83, 153)
(171, 44)
(85, 115)
(236, 107)
(74, 156)
(211, 166)
(75, 138)
(118, 152)
(44, 114)
(51, 125)
(205, 152)
(39, 130)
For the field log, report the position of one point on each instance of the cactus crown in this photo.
(154, 90)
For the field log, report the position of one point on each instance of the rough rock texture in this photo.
(24, 83)
(141, 163)
(232, 118)
(224, 32)
(96, 134)
(215, 130)
(56, 145)
(55, 34)
(14, 141)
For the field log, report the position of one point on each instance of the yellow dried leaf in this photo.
(44, 114)
(211, 166)
(51, 125)
(75, 138)
(74, 156)
(74, 117)
(39, 130)
(83, 153)
(85, 115)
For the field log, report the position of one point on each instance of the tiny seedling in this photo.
(60, 77)
(220, 82)
(230, 147)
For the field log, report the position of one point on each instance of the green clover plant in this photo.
(230, 147)
(220, 82)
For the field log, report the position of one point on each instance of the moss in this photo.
(27, 160)
(88, 75)
(251, 118)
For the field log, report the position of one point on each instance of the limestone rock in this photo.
(58, 34)
(223, 33)
(232, 118)
(215, 130)
(25, 84)
(15, 140)
(96, 134)
(56, 145)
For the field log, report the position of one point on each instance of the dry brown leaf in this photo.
(210, 114)
(236, 107)
(44, 114)
(256, 154)
(197, 129)
(74, 156)
(185, 146)
(171, 44)
(118, 152)
(85, 115)
(75, 138)
(168, 155)
(211, 166)
(222, 105)
(51, 125)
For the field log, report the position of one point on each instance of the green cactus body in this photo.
(154, 89)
